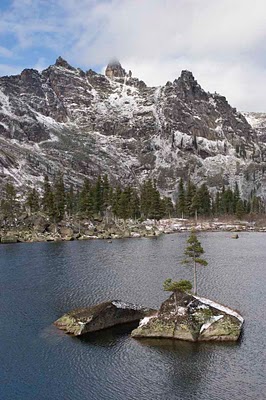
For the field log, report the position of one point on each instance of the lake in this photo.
(41, 281)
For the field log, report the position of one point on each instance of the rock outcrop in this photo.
(114, 70)
(101, 316)
(196, 319)
(8, 239)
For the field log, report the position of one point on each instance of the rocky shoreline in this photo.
(40, 229)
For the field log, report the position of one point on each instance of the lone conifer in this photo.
(172, 286)
(193, 252)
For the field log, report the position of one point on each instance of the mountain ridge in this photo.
(82, 123)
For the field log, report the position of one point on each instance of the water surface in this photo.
(41, 281)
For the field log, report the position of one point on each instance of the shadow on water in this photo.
(108, 337)
(187, 365)
(184, 347)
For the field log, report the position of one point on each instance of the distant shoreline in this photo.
(44, 231)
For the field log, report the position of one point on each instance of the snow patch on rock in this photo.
(220, 307)
(145, 320)
(126, 306)
(210, 322)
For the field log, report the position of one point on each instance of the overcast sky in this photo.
(222, 42)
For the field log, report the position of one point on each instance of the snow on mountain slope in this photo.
(258, 122)
(83, 123)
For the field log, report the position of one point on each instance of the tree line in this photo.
(92, 200)
(100, 199)
(196, 200)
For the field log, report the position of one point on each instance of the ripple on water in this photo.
(40, 282)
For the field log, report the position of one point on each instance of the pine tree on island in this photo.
(193, 252)
(176, 286)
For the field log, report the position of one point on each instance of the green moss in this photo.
(225, 329)
(156, 327)
(202, 315)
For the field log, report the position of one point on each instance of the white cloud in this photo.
(41, 64)
(221, 42)
(6, 69)
(5, 52)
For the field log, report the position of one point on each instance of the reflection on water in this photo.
(108, 337)
(41, 281)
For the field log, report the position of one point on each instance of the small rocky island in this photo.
(101, 316)
(194, 319)
(182, 316)
(191, 318)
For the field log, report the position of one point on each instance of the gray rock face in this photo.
(258, 122)
(115, 70)
(196, 319)
(101, 316)
(84, 123)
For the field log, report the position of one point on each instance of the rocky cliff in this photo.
(84, 123)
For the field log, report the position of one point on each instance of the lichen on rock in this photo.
(196, 319)
(101, 316)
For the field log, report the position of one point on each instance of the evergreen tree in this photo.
(127, 203)
(48, 199)
(124, 204)
(193, 252)
(105, 192)
(33, 201)
(9, 203)
(247, 206)
(86, 200)
(168, 208)
(190, 192)
(196, 203)
(181, 286)
(227, 201)
(257, 206)
(204, 200)
(146, 198)
(76, 204)
(59, 197)
(201, 201)
(156, 211)
(135, 205)
(98, 196)
(217, 204)
(236, 196)
(181, 199)
(240, 209)
(116, 200)
(70, 201)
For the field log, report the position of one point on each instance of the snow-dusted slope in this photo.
(258, 122)
(84, 123)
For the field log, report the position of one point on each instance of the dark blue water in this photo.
(39, 282)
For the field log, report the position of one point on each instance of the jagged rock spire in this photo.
(188, 87)
(60, 62)
(187, 78)
(115, 70)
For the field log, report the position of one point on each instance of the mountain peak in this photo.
(187, 76)
(60, 62)
(189, 88)
(114, 69)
